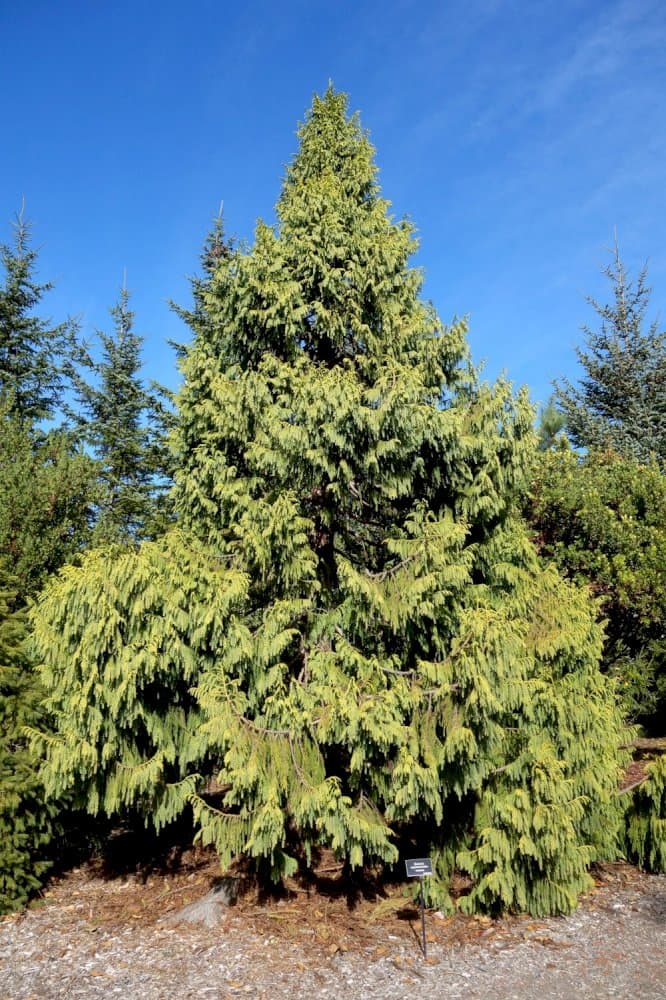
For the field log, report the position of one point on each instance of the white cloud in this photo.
(620, 34)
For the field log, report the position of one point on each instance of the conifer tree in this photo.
(47, 488)
(131, 751)
(387, 658)
(148, 617)
(120, 421)
(620, 402)
(550, 427)
(217, 248)
(25, 819)
(645, 842)
(45, 491)
(600, 518)
(35, 356)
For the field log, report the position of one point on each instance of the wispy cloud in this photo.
(519, 75)
(620, 33)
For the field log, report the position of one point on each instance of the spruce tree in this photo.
(47, 489)
(620, 401)
(119, 419)
(371, 642)
(25, 819)
(35, 356)
(217, 248)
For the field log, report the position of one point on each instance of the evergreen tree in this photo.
(45, 492)
(121, 422)
(601, 518)
(35, 356)
(551, 424)
(217, 248)
(351, 598)
(149, 618)
(25, 820)
(47, 488)
(645, 842)
(620, 402)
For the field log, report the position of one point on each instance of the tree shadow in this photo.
(411, 915)
(132, 849)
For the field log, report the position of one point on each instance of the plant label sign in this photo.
(418, 867)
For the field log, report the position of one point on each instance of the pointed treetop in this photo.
(332, 141)
(35, 355)
(620, 400)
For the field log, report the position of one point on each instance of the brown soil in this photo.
(99, 934)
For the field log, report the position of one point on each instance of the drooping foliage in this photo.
(148, 620)
(551, 808)
(620, 401)
(646, 819)
(602, 518)
(371, 643)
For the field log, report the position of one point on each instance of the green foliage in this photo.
(122, 637)
(646, 819)
(551, 424)
(25, 821)
(217, 247)
(335, 446)
(121, 425)
(45, 489)
(46, 493)
(552, 808)
(602, 519)
(352, 625)
(34, 355)
(620, 402)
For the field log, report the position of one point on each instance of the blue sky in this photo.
(516, 134)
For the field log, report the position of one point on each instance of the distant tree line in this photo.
(337, 576)
(598, 501)
(82, 462)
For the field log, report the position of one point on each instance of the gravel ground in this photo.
(613, 946)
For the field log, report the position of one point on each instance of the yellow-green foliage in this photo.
(602, 518)
(121, 639)
(552, 808)
(646, 819)
(352, 630)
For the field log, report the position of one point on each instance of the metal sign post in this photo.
(420, 868)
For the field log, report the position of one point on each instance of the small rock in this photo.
(208, 911)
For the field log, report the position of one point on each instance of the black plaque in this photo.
(418, 867)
